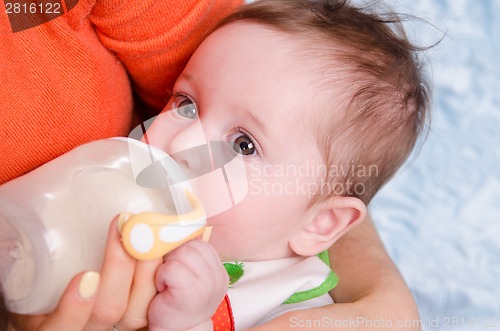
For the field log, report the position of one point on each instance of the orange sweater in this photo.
(68, 78)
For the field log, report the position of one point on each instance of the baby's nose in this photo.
(187, 148)
(190, 135)
(194, 161)
(200, 160)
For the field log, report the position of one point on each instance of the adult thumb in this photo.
(76, 304)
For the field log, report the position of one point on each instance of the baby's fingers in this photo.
(176, 276)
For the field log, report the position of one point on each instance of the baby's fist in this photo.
(192, 282)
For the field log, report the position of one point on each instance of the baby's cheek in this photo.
(211, 189)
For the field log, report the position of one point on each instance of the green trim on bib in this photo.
(330, 282)
(235, 271)
(325, 257)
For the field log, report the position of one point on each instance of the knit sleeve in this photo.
(154, 39)
(59, 86)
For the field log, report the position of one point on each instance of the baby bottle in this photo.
(54, 220)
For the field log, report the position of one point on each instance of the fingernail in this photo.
(207, 233)
(88, 284)
(122, 219)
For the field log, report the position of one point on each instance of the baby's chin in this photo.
(247, 254)
(226, 252)
(234, 246)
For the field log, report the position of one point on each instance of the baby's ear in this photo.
(327, 222)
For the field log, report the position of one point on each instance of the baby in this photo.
(322, 102)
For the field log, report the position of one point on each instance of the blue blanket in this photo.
(440, 216)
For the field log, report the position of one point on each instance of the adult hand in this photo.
(119, 295)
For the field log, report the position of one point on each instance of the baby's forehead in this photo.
(303, 83)
(319, 66)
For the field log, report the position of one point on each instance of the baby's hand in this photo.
(192, 282)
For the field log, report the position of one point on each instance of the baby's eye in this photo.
(187, 108)
(243, 144)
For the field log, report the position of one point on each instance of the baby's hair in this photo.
(375, 131)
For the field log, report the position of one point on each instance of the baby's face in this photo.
(244, 86)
